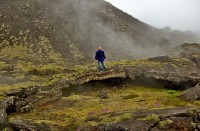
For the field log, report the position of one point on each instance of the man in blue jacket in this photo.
(100, 57)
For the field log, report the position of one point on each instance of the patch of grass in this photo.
(6, 88)
(39, 53)
(85, 67)
(39, 69)
(110, 64)
(141, 62)
(171, 91)
(16, 52)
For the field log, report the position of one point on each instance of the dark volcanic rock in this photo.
(5, 104)
(31, 90)
(23, 125)
(132, 125)
(103, 94)
(44, 97)
(3, 118)
(155, 120)
(191, 94)
(15, 92)
(22, 106)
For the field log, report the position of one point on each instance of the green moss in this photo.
(151, 117)
(39, 69)
(17, 52)
(192, 111)
(6, 88)
(141, 62)
(5, 129)
(117, 118)
(73, 127)
(84, 67)
(164, 124)
(125, 116)
(19, 49)
(92, 123)
(171, 91)
(2, 65)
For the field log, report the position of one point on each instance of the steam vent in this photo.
(49, 80)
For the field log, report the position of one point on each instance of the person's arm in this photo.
(104, 56)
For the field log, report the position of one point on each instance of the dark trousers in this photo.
(101, 66)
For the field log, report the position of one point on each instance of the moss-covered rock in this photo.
(164, 124)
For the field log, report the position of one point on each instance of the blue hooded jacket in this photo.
(100, 55)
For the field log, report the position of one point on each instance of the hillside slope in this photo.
(73, 29)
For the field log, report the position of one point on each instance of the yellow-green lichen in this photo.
(165, 123)
(151, 117)
(2, 65)
(6, 88)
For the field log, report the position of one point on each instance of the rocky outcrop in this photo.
(97, 76)
(191, 52)
(24, 125)
(3, 118)
(5, 104)
(24, 100)
(173, 119)
(191, 94)
(177, 77)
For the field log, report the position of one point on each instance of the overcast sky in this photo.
(178, 14)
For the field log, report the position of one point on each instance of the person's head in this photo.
(100, 48)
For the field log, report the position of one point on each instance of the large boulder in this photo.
(191, 94)
(4, 105)
(3, 118)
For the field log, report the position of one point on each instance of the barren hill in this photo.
(73, 29)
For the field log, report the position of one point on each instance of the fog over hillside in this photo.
(76, 28)
(179, 14)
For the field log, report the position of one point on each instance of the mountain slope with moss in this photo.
(73, 29)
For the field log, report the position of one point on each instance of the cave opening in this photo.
(97, 85)
(121, 82)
